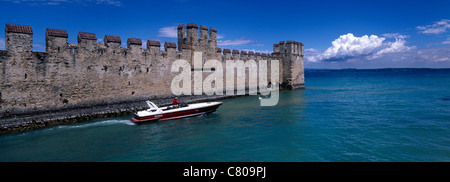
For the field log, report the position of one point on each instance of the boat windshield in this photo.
(151, 105)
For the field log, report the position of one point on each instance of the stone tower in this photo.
(291, 55)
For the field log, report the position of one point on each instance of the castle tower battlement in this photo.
(55, 40)
(206, 42)
(18, 38)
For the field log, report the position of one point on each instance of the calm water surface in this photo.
(342, 115)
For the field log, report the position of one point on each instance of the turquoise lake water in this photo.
(342, 115)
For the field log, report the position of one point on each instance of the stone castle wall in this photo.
(88, 73)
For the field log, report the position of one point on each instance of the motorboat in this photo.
(155, 113)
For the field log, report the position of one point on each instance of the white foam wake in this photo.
(94, 124)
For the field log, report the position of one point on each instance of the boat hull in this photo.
(176, 115)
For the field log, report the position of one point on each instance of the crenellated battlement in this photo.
(112, 41)
(55, 40)
(205, 42)
(19, 39)
(88, 71)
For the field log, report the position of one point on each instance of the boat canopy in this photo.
(151, 105)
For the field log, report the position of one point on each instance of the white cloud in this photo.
(258, 45)
(110, 2)
(446, 41)
(348, 47)
(260, 51)
(436, 28)
(220, 36)
(395, 35)
(420, 58)
(311, 54)
(235, 42)
(170, 31)
(434, 54)
(392, 47)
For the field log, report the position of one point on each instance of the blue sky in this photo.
(336, 34)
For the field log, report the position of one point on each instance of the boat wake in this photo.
(95, 124)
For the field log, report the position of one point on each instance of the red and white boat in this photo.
(155, 113)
